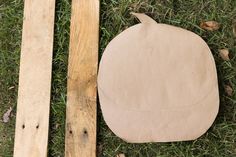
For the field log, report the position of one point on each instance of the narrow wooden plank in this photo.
(32, 121)
(82, 74)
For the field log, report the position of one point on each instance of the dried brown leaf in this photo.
(228, 90)
(224, 54)
(6, 116)
(120, 155)
(210, 25)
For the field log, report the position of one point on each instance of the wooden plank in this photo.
(32, 121)
(82, 75)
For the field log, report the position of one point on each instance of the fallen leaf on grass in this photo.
(12, 87)
(234, 28)
(210, 25)
(57, 126)
(6, 116)
(224, 54)
(228, 90)
(120, 155)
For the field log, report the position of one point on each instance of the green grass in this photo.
(219, 141)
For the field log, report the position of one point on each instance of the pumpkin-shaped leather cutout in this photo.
(158, 83)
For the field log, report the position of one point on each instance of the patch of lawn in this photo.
(219, 141)
(10, 41)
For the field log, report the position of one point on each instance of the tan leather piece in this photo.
(158, 83)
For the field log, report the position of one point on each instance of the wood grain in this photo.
(32, 121)
(82, 75)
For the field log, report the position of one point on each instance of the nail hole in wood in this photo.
(37, 126)
(23, 126)
(70, 131)
(85, 132)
